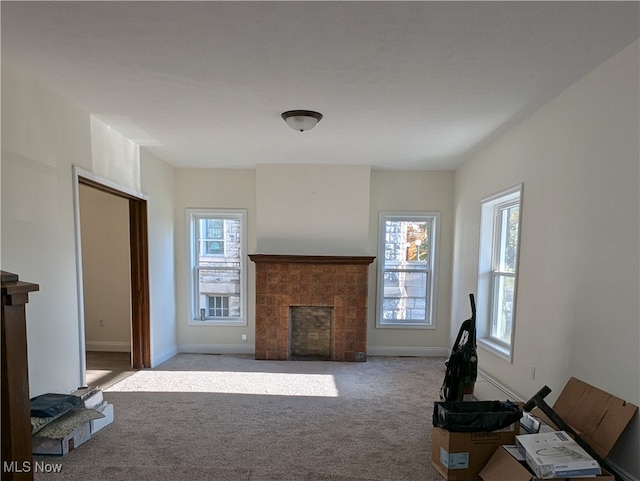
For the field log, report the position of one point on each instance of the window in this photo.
(500, 222)
(406, 278)
(213, 237)
(218, 306)
(218, 260)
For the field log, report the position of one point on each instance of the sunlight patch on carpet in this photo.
(256, 383)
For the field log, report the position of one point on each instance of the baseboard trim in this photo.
(407, 351)
(216, 348)
(157, 360)
(512, 396)
(371, 351)
(108, 346)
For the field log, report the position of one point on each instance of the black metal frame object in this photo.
(538, 400)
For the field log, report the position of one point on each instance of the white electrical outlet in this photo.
(244, 338)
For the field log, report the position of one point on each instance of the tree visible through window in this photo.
(405, 290)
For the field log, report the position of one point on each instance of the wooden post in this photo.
(17, 457)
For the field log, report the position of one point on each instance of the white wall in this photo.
(213, 188)
(113, 156)
(43, 136)
(402, 192)
(158, 183)
(301, 206)
(106, 274)
(577, 312)
(312, 209)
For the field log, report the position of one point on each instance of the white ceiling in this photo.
(402, 85)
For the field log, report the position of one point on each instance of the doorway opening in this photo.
(125, 301)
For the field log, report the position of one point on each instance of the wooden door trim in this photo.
(140, 316)
(139, 255)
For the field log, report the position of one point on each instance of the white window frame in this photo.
(193, 313)
(489, 270)
(431, 270)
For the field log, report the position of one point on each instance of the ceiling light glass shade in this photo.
(301, 120)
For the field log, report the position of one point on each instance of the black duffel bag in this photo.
(475, 416)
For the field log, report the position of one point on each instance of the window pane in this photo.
(406, 244)
(404, 296)
(405, 270)
(502, 312)
(218, 237)
(508, 246)
(219, 284)
(500, 219)
(219, 281)
(218, 260)
(214, 228)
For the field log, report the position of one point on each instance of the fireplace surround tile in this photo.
(340, 282)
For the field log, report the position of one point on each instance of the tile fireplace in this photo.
(311, 307)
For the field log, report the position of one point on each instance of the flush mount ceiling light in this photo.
(301, 120)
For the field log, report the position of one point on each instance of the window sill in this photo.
(496, 349)
(404, 326)
(221, 323)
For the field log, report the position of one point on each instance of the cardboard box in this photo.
(92, 396)
(98, 424)
(596, 415)
(503, 466)
(599, 417)
(556, 455)
(461, 456)
(60, 447)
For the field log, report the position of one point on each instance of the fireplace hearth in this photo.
(311, 307)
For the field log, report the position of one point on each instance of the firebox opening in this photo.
(310, 333)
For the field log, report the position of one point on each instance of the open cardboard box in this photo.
(98, 424)
(504, 467)
(459, 456)
(62, 446)
(597, 416)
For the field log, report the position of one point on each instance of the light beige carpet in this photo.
(206, 417)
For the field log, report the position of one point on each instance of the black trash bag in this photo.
(51, 404)
(475, 416)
